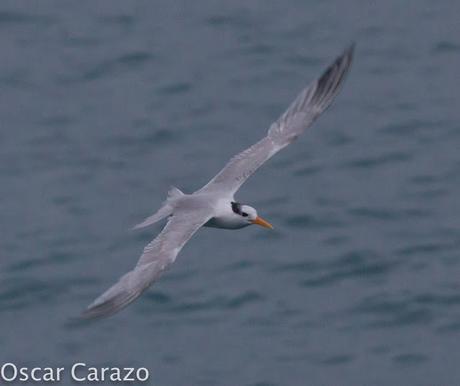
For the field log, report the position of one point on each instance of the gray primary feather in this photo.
(308, 105)
(157, 256)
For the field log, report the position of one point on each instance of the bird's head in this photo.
(249, 215)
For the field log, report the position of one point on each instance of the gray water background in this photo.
(104, 105)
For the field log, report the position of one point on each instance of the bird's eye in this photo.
(244, 214)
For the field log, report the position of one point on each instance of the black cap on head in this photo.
(236, 207)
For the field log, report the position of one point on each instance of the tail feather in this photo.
(174, 192)
(165, 210)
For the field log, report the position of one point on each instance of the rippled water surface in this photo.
(106, 104)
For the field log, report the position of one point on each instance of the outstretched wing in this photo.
(310, 103)
(157, 256)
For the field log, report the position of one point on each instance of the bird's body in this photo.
(214, 205)
(223, 215)
(225, 218)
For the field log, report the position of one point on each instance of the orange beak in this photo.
(260, 221)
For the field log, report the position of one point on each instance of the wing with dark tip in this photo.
(157, 256)
(308, 105)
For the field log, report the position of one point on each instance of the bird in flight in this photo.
(214, 205)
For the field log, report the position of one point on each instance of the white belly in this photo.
(226, 223)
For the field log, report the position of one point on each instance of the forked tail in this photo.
(165, 210)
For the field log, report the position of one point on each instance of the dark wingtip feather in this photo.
(109, 307)
(95, 313)
(329, 82)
